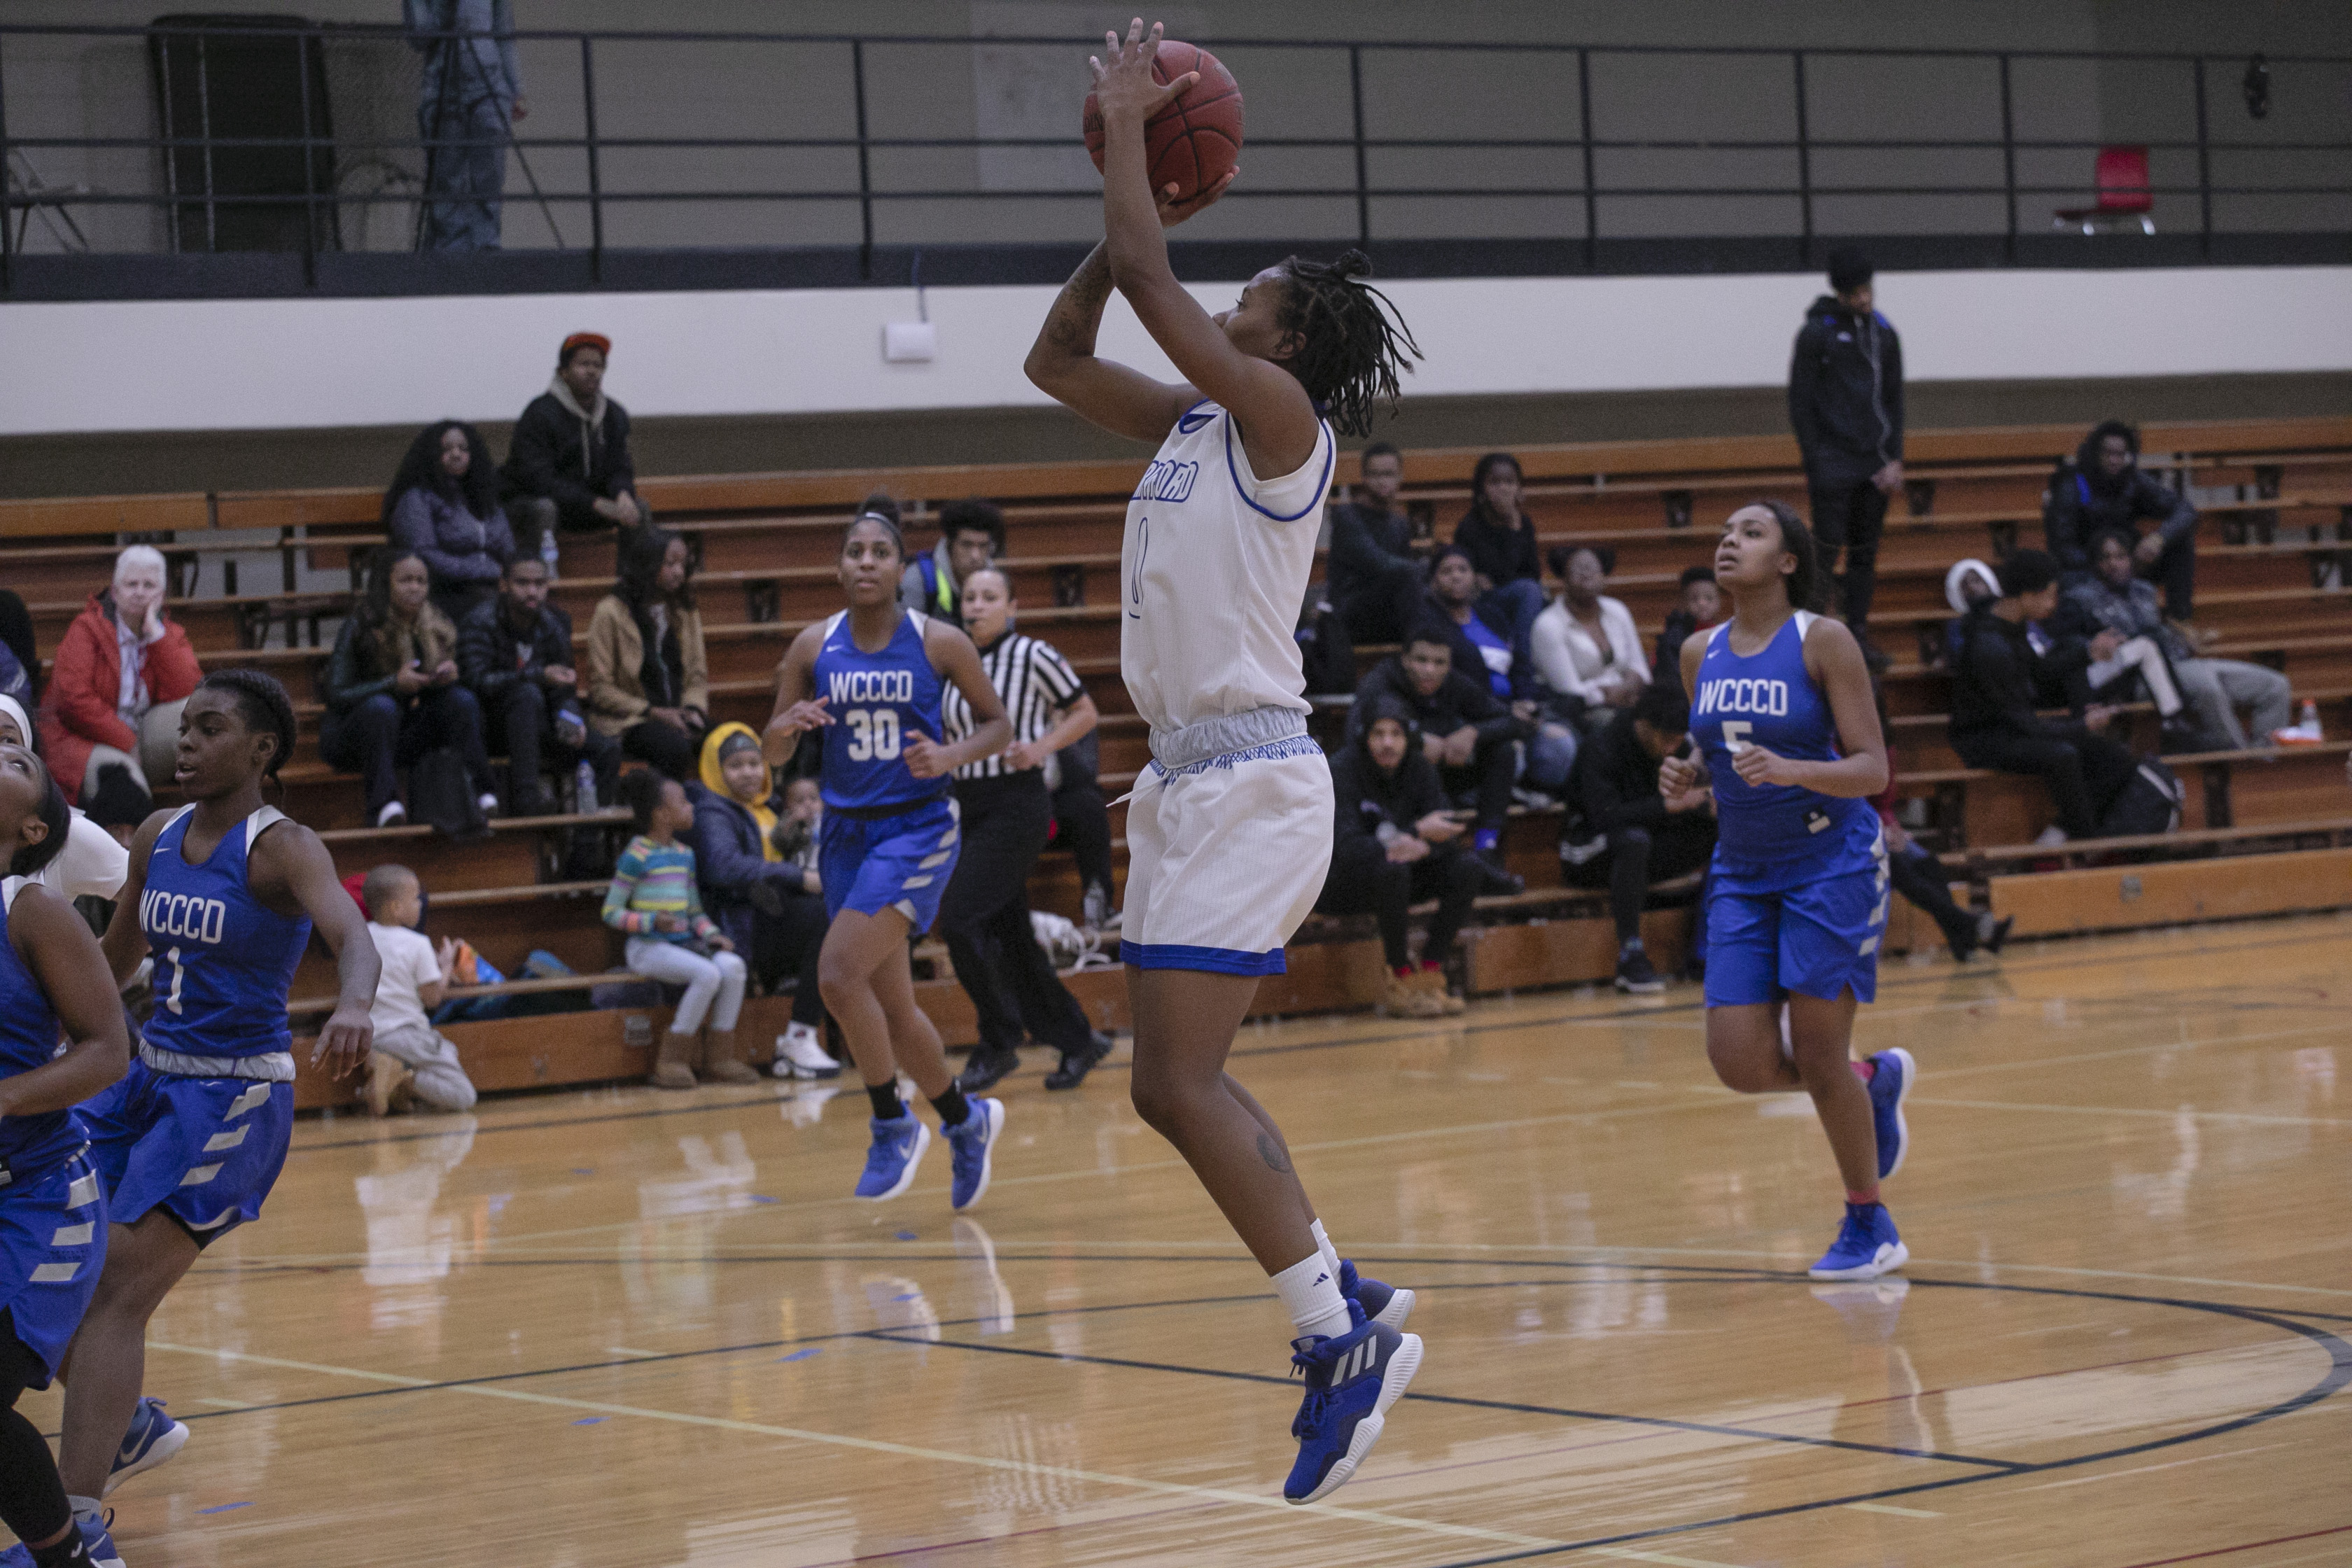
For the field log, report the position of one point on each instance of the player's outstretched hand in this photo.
(803, 716)
(1174, 212)
(924, 757)
(1125, 86)
(346, 1039)
(1758, 767)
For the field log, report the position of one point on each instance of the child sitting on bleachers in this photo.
(409, 1061)
(652, 900)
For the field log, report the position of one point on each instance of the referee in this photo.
(1007, 815)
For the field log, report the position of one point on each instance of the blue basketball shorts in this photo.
(900, 862)
(52, 1245)
(1818, 939)
(206, 1151)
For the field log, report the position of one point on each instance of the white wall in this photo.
(318, 363)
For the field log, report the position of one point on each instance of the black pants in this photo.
(1919, 877)
(984, 918)
(1081, 821)
(1484, 782)
(1639, 857)
(1364, 881)
(2085, 772)
(1387, 608)
(383, 734)
(789, 943)
(1850, 518)
(666, 746)
(16, 633)
(2176, 573)
(32, 1497)
(523, 718)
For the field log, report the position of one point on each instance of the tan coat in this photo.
(608, 675)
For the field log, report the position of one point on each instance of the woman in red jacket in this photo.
(115, 690)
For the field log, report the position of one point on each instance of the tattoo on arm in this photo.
(1078, 313)
(1276, 1156)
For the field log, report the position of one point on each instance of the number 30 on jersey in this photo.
(873, 733)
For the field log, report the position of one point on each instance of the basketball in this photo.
(1193, 141)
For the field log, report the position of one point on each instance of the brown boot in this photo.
(1448, 1004)
(1407, 997)
(673, 1061)
(719, 1062)
(404, 1093)
(384, 1077)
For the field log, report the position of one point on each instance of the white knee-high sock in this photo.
(1310, 1289)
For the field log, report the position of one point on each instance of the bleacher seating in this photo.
(2270, 576)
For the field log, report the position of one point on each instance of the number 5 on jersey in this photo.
(1735, 735)
(873, 733)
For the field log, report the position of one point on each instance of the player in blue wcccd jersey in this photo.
(1229, 832)
(53, 1232)
(222, 894)
(1787, 738)
(870, 675)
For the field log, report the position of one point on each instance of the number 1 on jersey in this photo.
(179, 973)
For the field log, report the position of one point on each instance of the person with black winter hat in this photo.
(2102, 488)
(1845, 405)
(1995, 683)
(1393, 840)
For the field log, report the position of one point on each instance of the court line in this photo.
(1890, 1508)
(2249, 1546)
(2225, 1116)
(2144, 1470)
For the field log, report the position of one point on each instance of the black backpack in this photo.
(441, 796)
(2149, 804)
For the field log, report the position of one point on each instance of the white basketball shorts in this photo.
(1225, 857)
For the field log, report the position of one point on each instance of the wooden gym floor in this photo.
(624, 1328)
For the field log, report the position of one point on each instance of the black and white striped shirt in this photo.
(1036, 684)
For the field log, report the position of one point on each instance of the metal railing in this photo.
(1587, 186)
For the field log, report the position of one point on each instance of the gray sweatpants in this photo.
(2217, 687)
(713, 984)
(441, 1083)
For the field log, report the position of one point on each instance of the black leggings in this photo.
(1848, 520)
(32, 1497)
(1639, 857)
(791, 943)
(2085, 772)
(1364, 881)
(1920, 878)
(1081, 821)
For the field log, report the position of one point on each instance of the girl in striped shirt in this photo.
(652, 900)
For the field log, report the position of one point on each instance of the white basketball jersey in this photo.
(1213, 571)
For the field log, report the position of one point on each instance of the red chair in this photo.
(2123, 200)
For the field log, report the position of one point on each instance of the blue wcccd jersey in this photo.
(1775, 836)
(28, 1038)
(224, 960)
(878, 702)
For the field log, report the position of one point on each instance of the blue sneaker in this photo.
(1351, 1381)
(152, 1439)
(970, 1142)
(1896, 1075)
(1381, 1303)
(898, 1145)
(1866, 1245)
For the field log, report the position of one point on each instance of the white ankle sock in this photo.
(1323, 1245)
(1310, 1289)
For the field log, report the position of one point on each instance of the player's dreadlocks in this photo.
(1355, 342)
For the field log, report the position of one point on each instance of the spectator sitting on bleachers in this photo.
(569, 463)
(802, 1051)
(1465, 731)
(392, 692)
(16, 637)
(1586, 647)
(770, 908)
(93, 862)
(1698, 609)
(2000, 678)
(655, 901)
(647, 678)
(1970, 583)
(442, 503)
(2102, 488)
(1499, 537)
(1622, 833)
(1375, 581)
(407, 1060)
(123, 671)
(1394, 839)
(2114, 604)
(1481, 648)
(972, 535)
(515, 654)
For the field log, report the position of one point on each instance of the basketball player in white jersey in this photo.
(1229, 834)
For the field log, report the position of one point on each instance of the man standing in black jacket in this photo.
(1376, 582)
(515, 653)
(1622, 833)
(2104, 489)
(1998, 681)
(1465, 731)
(1845, 404)
(569, 465)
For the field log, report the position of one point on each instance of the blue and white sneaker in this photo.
(1866, 1245)
(1351, 1381)
(1381, 1303)
(898, 1145)
(970, 1143)
(152, 1439)
(1888, 1086)
(98, 1541)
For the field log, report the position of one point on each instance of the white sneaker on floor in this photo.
(800, 1055)
(2050, 837)
(393, 814)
